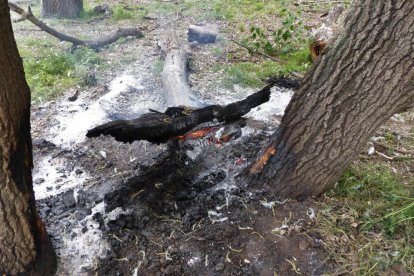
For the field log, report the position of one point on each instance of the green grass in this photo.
(137, 12)
(158, 67)
(370, 215)
(242, 10)
(254, 74)
(49, 69)
(120, 13)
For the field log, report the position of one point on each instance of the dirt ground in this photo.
(145, 209)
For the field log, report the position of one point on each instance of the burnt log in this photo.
(94, 44)
(160, 127)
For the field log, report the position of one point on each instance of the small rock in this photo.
(219, 267)
(59, 210)
(303, 245)
(74, 97)
(44, 211)
(78, 171)
(169, 270)
(147, 234)
(39, 180)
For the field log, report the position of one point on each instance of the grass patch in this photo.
(120, 13)
(367, 221)
(158, 67)
(50, 70)
(254, 74)
(242, 10)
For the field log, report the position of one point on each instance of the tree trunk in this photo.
(357, 84)
(24, 243)
(62, 8)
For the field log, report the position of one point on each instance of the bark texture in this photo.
(62, 8)
(357, 83)
(24, 243)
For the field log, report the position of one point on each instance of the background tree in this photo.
(62, 8)
(357, 84)
(24, 243)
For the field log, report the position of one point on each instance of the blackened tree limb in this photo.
(159, 127)
(93, 44)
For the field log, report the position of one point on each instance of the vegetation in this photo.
(50, 69)
(285, 39)
(369, 219)
(254, 74)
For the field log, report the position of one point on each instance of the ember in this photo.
(262, 161)
(197, 134)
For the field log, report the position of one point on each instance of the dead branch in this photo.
(384, 146)
(174, 78)
(159, 127)
(93, 44)
(394, 158)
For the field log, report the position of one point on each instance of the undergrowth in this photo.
(367, 221)
(255, 74)
(49, 69)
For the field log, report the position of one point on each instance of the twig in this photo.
(257, 53)
(394, 158)
(376, 143)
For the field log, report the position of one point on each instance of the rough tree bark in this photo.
(62, 8)
(355, 86)
(24, 243)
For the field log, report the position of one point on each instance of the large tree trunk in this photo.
(61, 8)
(24, 243)
(364, 78)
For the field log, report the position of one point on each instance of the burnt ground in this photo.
(184, 216)
(145, 209)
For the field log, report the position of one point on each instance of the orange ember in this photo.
(197, 134)
(262, 161)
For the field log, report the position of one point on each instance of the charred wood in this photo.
(167, 176)
(159, 127)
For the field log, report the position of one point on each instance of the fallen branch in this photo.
(174, 79)
(93, 44)
(159, 127)
(384, 146)
(393, 158)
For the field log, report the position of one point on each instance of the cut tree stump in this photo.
(93, 44)
(202, 34)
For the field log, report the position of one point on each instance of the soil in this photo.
(169, 209)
